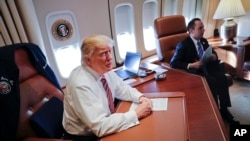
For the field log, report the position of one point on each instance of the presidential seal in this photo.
(62, 30)
(5, 87)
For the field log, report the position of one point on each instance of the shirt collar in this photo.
(92, 72)
(194, 40)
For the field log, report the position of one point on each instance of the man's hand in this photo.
(144, 108)
(195, 65)
(213, 57)
(145, 99)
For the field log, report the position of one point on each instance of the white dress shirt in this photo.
(196, 46)
(86, 110)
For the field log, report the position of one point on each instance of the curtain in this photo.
(209, 7)
(11, 27)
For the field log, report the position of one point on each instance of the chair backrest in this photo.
(35, 91)
(169, 31)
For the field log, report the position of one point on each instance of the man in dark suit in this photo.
(188, 57)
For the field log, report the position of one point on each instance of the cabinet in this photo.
(235, 56)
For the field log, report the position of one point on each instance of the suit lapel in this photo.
(204, 43)
(192, 48)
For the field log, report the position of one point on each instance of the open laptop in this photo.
(131, 66)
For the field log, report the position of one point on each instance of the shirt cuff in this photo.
(132, 118)
(188, 66)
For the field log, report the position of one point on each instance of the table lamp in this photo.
(227, 10)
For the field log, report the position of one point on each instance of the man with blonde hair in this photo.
(89, 110)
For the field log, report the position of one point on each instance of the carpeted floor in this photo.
(240, 99)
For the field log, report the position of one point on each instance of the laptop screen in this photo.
(132, 62)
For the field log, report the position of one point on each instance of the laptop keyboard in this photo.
(125, 74)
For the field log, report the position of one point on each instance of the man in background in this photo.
(188, 56)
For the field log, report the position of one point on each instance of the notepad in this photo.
(206, 55)
(159, 104)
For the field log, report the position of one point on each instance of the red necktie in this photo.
(109, 95)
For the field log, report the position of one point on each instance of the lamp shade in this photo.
(229, 9)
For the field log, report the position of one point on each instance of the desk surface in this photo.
(204, 120)
(171, 121)
(218, 42)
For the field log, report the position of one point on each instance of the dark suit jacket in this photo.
(186, 53)
(213, 71)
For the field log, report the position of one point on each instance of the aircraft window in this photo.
(149, 38)
(188, 8)
(124, 28)
(126, 43)
(64, 57)
(191, 9)
(170, 7)
(150, 13)
(64, 47)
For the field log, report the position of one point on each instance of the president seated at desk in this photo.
(90, 92)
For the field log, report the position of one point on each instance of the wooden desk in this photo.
(236, 56)
(171, 121)
(203, 117)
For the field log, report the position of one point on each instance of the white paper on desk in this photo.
(159, 104)
(207, 53)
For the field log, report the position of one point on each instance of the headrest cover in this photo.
(169, 25)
